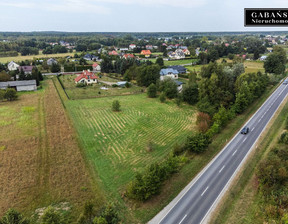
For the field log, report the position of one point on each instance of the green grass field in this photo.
(116, 143)
(93, 91)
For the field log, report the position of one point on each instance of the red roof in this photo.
(113, 53)
(86, 75)
(146, 52)
(95, 65)
(128, 56)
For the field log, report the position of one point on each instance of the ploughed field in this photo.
(120, 143)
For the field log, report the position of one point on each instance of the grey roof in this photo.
(18, 83)
(166, 71)
(179, 68)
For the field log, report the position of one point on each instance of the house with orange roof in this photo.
(147, 53)
(87, 78)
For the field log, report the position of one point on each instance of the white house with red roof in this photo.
(96, 67)
(86, 77)
(132, 46)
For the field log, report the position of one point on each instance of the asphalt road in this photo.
(194, 204)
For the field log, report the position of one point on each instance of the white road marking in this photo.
(221, 169)
(252, 129)
(234, 152)
(244, 139)
(204, 191)
(259, 120)
(183, 219)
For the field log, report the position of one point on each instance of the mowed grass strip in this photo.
(116, 142)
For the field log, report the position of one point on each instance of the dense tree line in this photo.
(149, 182)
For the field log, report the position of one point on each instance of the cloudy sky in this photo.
(130, 15)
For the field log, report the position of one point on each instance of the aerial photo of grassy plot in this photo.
(120, 143)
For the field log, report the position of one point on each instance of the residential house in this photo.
(12, 66)
(132, 46)
(179, 85)
(147, 53)
(168, 73)
(197, 51)
(181, 69)
(51, 61)
(186, 52)
(25, 85)
(113, 53)
(126, 56)
(90, 57)
(178, 54)
(26, 69)
(149, 47)
(86, 77)
(96, 67)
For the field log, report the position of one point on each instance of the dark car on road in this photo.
(245, 130)
(285, 82)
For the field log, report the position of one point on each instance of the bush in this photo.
(152, 91)
(51, 216)
(198, 142)
(114, 85)
(2, 94)
(80, 85)
(162, 97)
(13, 217)
(284, 137)
(116, 105)
(10, 94)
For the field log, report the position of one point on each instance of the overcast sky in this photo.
(130, 15)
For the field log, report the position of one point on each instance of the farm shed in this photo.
(26, 85)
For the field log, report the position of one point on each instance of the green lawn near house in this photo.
(95, 90)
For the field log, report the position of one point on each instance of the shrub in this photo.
(152, 91)
(10, 94)
(80, 85)
(198, 142)
(162, 97)
(116, 105)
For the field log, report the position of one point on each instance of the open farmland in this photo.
(31, 57)
(116, 143)
(94, 90)
(41, 163)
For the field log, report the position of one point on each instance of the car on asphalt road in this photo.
(245, 130)
(285, 82)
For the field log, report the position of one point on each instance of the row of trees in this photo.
(149, 182)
